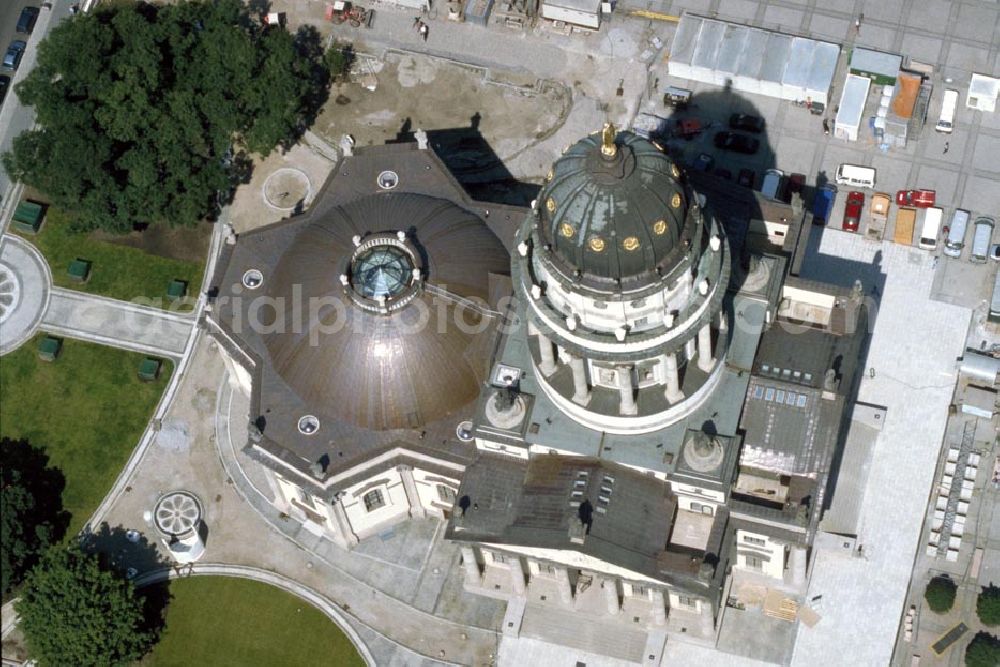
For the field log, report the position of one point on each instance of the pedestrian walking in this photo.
(946, 147)
(416, 23)
(424, 30)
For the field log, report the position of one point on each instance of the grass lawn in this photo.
(222, 621)
(117, 270)
(87, 410)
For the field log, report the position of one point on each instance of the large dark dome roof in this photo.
(613, 216)
(403, 368)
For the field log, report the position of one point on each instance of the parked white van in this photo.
(947, 119)
(981, 239)
(956, 233)
(856, 176)
(931, 228)
(772, 183)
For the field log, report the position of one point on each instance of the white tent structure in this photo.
(983, 91)
(753, 60)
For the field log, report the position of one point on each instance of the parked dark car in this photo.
(12, 58)
(740, 143)
(4, 85)
(26, 22)
(746, 122)
(796, 183)
(746, 178)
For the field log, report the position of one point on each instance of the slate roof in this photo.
(535, 503)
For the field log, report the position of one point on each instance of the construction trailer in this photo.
(852, 107)
(983, 91)
(881, 68)
(582, 13)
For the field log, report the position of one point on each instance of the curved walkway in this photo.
(263, 576)
(26, 274)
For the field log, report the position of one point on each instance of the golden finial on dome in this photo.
(608, 134)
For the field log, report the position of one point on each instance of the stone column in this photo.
(723, 321)
(565, 590)
(673, 392)
(627, 405)
(690, 349)
(611, 595)
(705, 358)
(581, 392)
(345, 533)
(516, 574)
(659, 607)
(412, 495)
(473, 577)
(548, 365)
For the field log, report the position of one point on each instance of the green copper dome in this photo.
(614, 208)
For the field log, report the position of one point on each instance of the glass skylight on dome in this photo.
(383, 271)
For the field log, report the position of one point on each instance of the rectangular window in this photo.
(790, 399)
(754, 563)
(446, 494)
(759, 541)
(769, 394)
(758, 392)
(779, 396)
(498, 558)
(639, 591)
(687, 601)
(374, 500)
(545, 568)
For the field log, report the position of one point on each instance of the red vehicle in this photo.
(918, 198)
(852, 211)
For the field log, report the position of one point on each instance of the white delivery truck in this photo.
(947, 120)
(930, 229)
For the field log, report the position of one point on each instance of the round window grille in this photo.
(253, 279)
(387, 180)
(308, 425)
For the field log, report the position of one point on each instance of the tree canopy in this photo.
(31, 514)
(940, 594)
(983, 651)
(140, 105)
(73, 612)
(988, 605)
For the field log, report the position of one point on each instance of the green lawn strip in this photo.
(223, 621)
(116, 271)
(87, 409)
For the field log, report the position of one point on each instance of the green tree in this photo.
(73, 612)
(988, 605)
(940, 594)
(983, 651)
(139, 107)
(31, 514)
